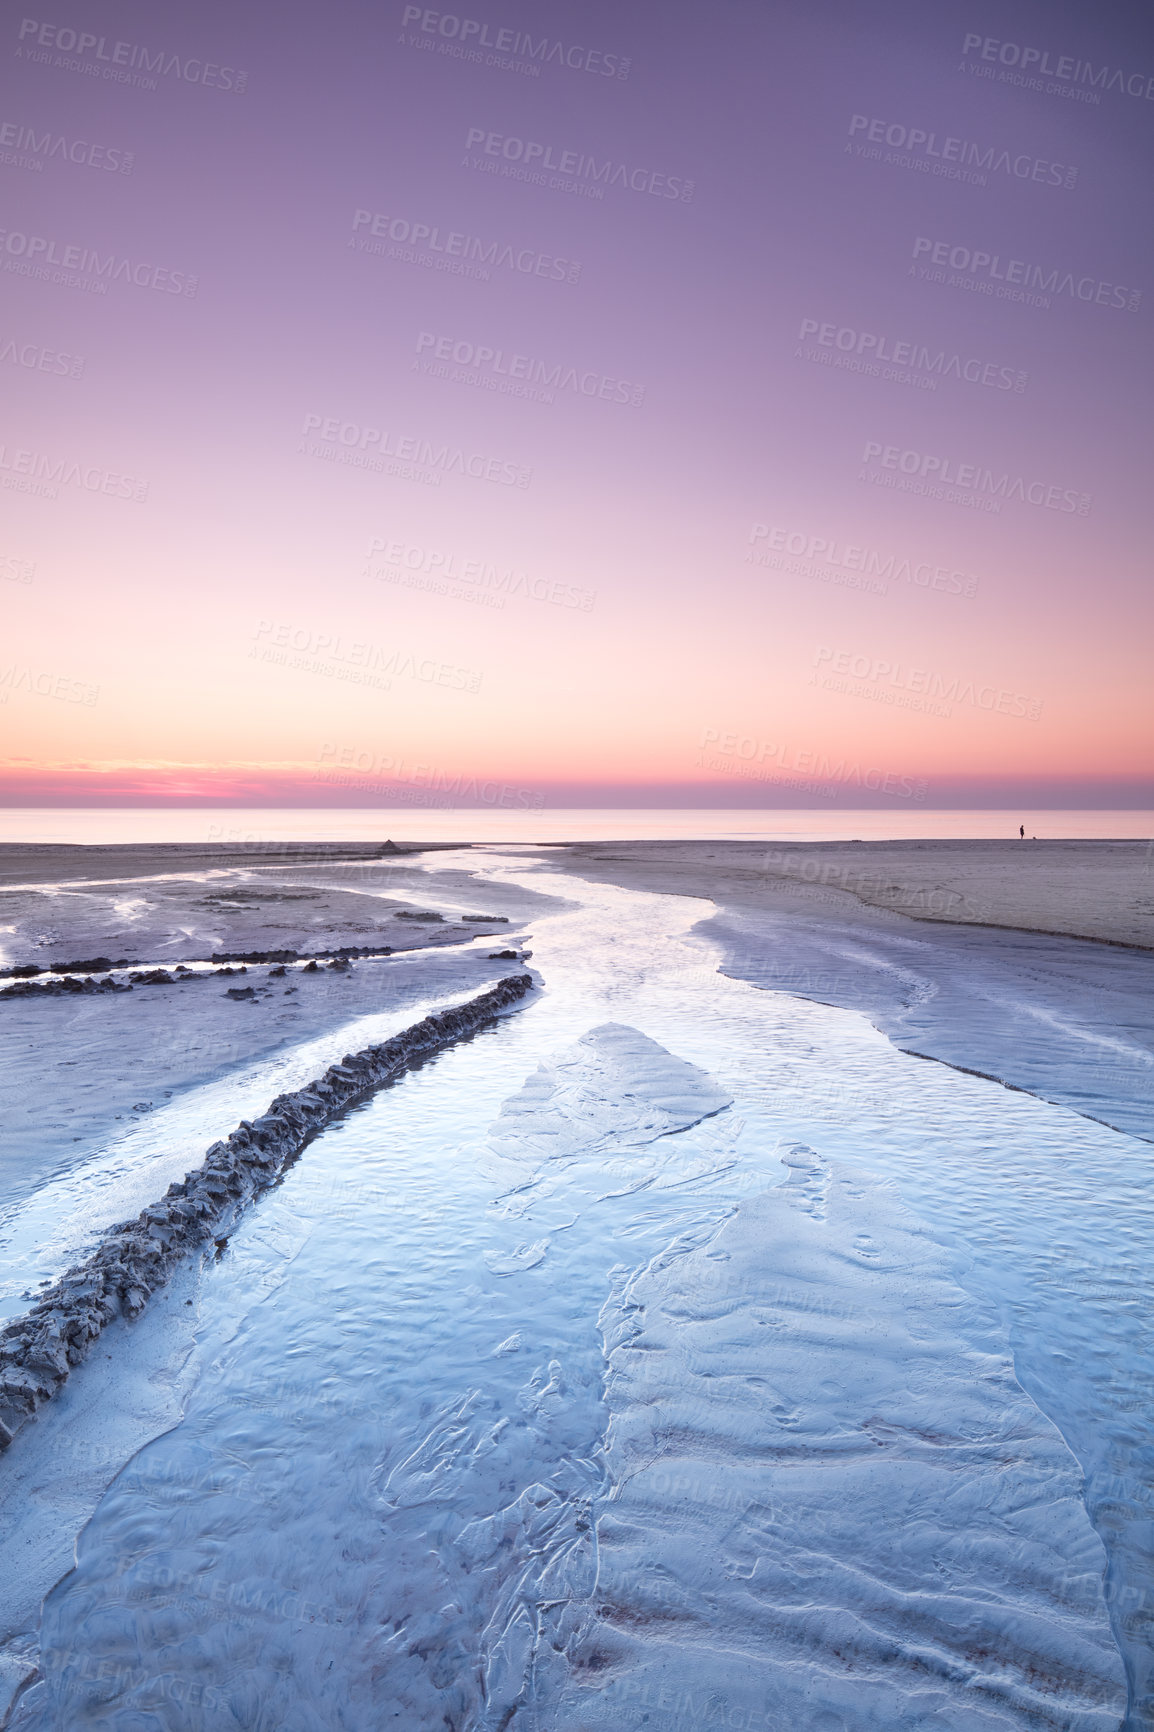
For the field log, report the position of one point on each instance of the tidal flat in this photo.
(749, 1326)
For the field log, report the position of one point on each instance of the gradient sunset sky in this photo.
(619, 403)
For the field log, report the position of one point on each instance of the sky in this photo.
(613, 404)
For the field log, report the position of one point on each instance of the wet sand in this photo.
(64, 862)
(1031, 964)
(80, 1068)
(1100, 890)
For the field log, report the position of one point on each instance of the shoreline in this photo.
(1099, 891)
(70, 862)
(1061, 1008)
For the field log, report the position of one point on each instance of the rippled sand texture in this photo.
(829, 1493)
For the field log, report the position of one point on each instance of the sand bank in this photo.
(1099, 890)
(64, 862)
(1031, 964)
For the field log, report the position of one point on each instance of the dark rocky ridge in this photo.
(133, 1259)
(347, 950)
(28, 970)
(57, 987)
(93, 965)
(58, 984)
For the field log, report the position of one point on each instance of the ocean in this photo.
(429, 823)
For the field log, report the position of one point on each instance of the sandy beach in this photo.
(1099, 890)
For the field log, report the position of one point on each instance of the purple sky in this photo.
(350, 442)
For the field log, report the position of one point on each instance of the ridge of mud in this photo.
(39, 1350)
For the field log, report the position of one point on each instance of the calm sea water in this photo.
(431, 824)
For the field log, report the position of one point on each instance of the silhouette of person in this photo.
(1022, 831)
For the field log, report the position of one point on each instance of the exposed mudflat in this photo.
(79, 1067)
(132, 1260)
(670, 1353)
(1021, 961)
(63, 862)
(1102, 890)
(818, 1451)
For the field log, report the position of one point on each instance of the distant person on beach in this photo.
(1022, 832)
